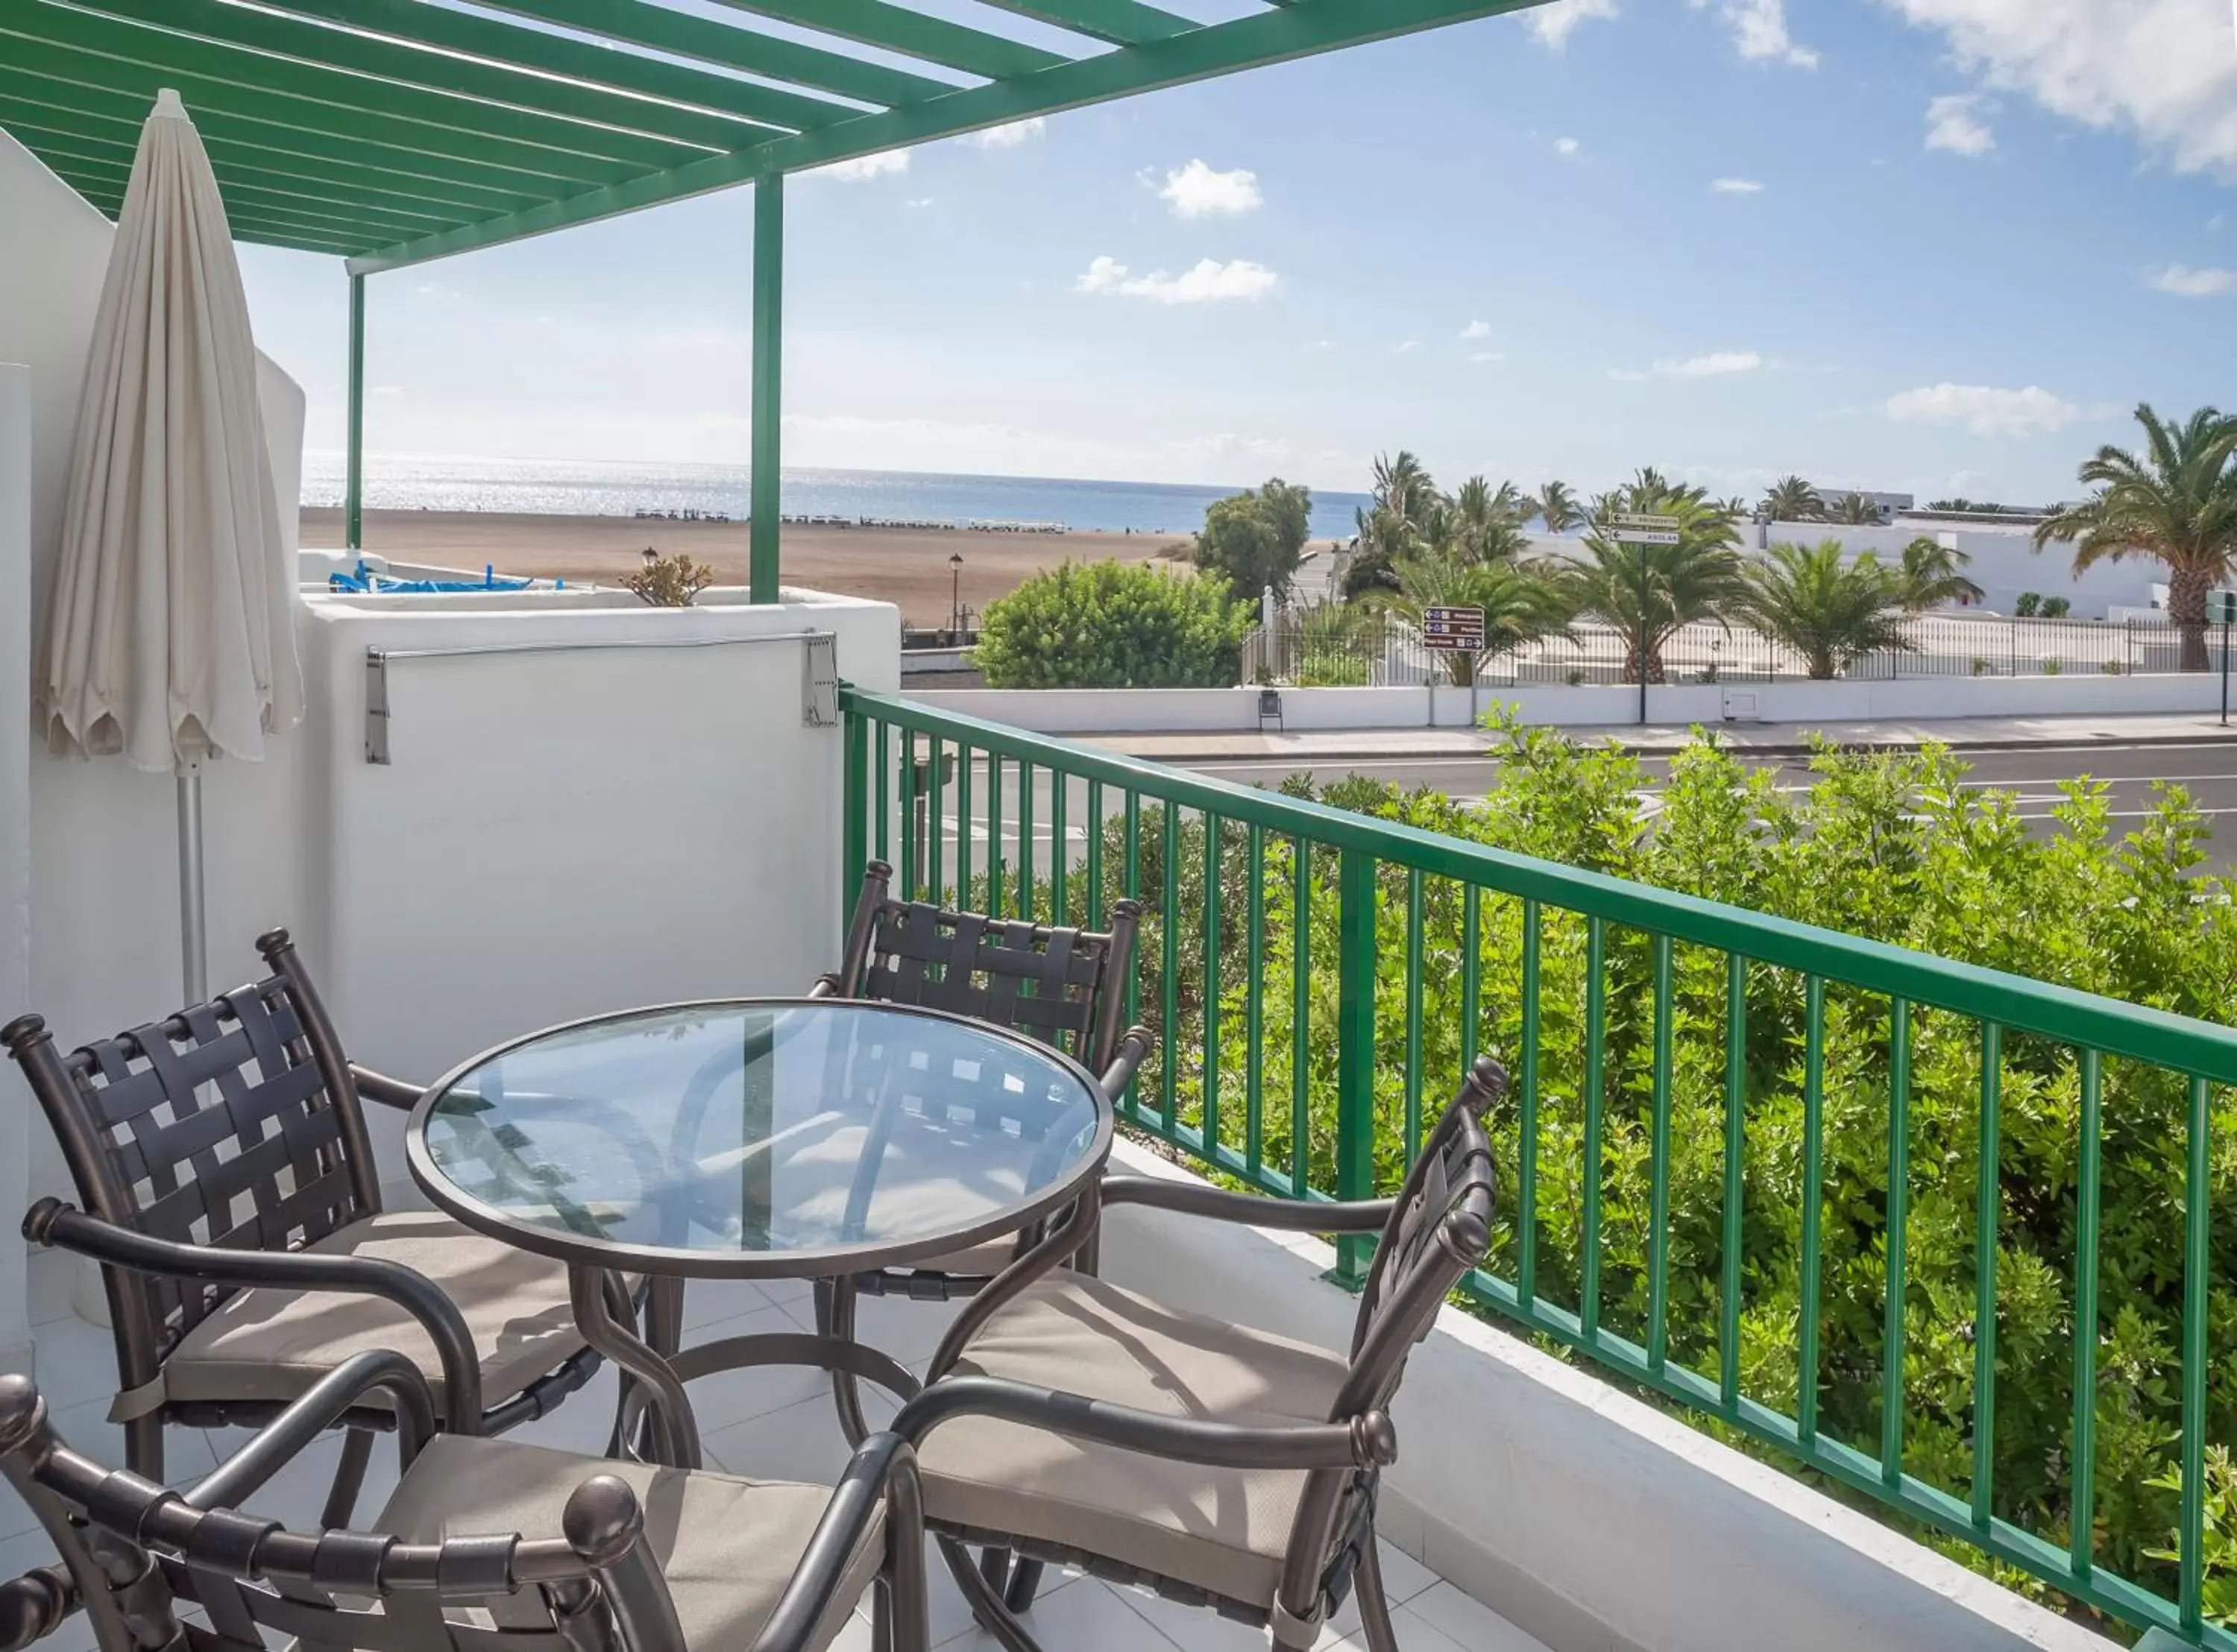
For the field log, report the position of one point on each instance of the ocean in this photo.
(580, 488)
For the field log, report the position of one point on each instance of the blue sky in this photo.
(1942, 246)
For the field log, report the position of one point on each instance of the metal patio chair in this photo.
(1067, 1420)
(1066, 986)
(231, 1195)
(619, 1557)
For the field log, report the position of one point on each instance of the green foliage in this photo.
(1662, 589)
(2029, 605)
(1933, 574)
(1792, 499)
(2056, 607)
(1256, 539)
(1113, 625)
(1895, 846)
(1520, 604)
(2175, 503)
(1831, 611)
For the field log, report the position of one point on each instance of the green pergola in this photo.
(389, 132)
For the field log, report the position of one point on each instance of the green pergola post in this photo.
(768, 383)
(353, 482)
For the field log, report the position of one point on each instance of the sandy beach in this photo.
(907, 567)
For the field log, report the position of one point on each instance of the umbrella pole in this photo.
(193, 918)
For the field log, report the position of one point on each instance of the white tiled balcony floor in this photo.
(774, 1424)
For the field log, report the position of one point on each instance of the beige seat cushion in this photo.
(268, 1345)
(1222, 1530)
(728, 1546)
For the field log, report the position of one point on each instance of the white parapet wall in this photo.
(1105, 711)
(1593, 1522)
(584, 809)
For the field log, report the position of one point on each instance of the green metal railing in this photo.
(1252, 980)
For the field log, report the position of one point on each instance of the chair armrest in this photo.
(245, 1473)
(1134, 1047)
(882, 1474)
(52, 1222)
(35, 1605)
(1217, 1204)
(400, 1094)
(1365, 1441)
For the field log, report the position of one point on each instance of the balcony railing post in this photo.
(854, 808)
(1355, 1071)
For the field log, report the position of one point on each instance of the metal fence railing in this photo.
(1375, 651)
(1320, 978)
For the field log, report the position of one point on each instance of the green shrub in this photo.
(1894, 847)
(2029, 606)
(1113, 625)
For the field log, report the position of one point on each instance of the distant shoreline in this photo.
(907, 567)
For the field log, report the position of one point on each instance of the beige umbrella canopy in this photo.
(170, 639)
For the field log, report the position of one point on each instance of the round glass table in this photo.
(793, 1138)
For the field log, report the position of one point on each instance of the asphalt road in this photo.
(2207, 771)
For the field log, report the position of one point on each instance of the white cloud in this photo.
(1196, 191)
(1476, 330)
(918, 203)
(2188, 283)
(1209, 282)
(1952, 124)
(1626, 376)
(1488, 355)
(1759, 32)
(893, 162)
(1007, 137)
(1985, 411)
(1565, 146)
(1737, 187)
(2161, 70)
(1554, 24)
(1712, 365)
(1405, 347)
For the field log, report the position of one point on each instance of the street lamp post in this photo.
(955, 599)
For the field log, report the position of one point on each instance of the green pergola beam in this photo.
(66, 132)
(910, 34)
(1122, 23)
(353, 451)
(764, 527)
(109, 201)
(681, 35)
(237, 185)
(270, 49)
(413, 170)
(625, 73)
(563, 146)
(1301, 31)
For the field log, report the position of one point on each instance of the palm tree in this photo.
(1648, 594)
(1520, 604)
(1829, 611)
(1405, 499)
(1557, 507)
(1792, 499)
(1932, 576)
(2177, 504)
(1481, 523)
(1856, 511)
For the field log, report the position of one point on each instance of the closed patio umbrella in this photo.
(170, 637)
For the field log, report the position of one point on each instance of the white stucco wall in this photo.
(1588, 1519)
(14, 823)
(575, 829)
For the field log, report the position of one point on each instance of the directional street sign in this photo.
(1645, 531)
(1458, 631)
(2220, 608)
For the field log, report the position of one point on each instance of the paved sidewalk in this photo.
(1962, 733)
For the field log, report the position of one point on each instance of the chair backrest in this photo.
(1440, 1227)
(137, 1551)
(233, 1122)
(1065, 986)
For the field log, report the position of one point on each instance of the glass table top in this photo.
(774, 1137)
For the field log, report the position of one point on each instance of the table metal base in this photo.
(655, 1422)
